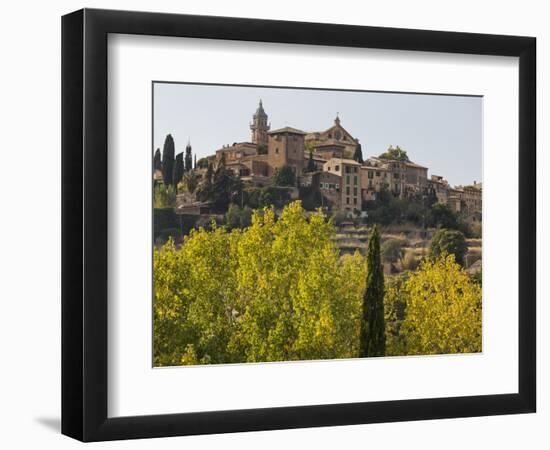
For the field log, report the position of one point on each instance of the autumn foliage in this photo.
(279, 290)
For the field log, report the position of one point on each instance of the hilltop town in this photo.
(328, 163)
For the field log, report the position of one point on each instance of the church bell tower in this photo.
(259, 126)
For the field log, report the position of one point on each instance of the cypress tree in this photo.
(188, 158)
(168, 152)
(358, 155)
(157, 165)
(178, 170)
(373, 337)
(310, 163)
(195, 161)
(204, 192)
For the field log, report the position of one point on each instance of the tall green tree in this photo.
(358, 155)
(168, 152)
(310, 163)
(204, 192)
(157, 164)
(178, 170)
(188, 158)
(226, 187)
(373, 337)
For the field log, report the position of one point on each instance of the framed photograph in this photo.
(273, 225)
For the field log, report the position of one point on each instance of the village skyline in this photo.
(211, 117)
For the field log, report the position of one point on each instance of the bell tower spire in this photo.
(259, 125)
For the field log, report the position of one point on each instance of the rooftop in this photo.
(287, 130)
(350, 162)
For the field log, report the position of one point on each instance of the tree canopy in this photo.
(284, 176)
(396, 154)
(443, 309)
(277, 290)
(448, 242)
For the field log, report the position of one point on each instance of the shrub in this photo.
(441, 216)
(449, 242)
(164, 196)
(237, 217)
(338, 218)
(391, 250)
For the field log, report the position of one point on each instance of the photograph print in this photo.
(294, 224)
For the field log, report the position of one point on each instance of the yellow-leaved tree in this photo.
(277, 290)
(443, 309)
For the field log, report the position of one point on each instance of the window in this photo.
(377, 174)
(347, 200)
(355, 170)
(347, 190)
(370, 183)
(337, 169)
(355, 201)
(355, 191)
(347, 179)
(348, 169)
(371, 173)
(396, 175)
(355, 180)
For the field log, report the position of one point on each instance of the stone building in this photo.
(401, 178)
(348, 171)
(440, 187)
(461, 199)
(328, 185)
(286, 147)
(471, 198)
(336, 137)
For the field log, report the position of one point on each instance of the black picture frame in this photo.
(84, 224)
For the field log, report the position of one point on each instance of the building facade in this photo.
(349, 172)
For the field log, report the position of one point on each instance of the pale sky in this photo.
(441, 132)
